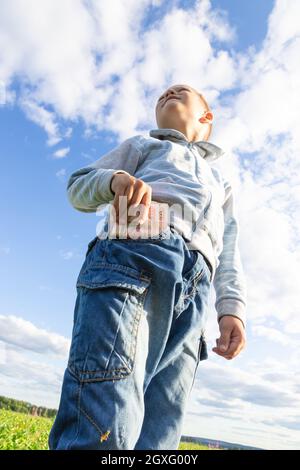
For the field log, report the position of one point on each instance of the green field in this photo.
(23, 432)
(19, 431)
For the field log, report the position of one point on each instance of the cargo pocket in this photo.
(109, 304)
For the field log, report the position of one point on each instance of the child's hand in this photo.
(136, 191)
(232, 339)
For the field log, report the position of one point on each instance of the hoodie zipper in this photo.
(190, 146)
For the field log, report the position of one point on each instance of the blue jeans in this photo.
(138, 337)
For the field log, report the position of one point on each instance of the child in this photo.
(140, 313)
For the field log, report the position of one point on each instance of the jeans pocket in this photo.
(109, 304)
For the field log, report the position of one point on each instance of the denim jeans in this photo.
(138, 337)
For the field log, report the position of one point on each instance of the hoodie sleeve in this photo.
(89, 187)
(229, 280)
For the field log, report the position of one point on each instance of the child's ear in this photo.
(207, 117)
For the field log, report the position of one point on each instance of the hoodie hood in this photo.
(205, 149)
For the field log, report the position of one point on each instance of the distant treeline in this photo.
(25, 407)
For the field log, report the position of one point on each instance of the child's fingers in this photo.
(139, 190)
(124, 203)
(233, 350)
(119, 203)
(135, 193)
(142, 199)
(145, 206)
(129, 192)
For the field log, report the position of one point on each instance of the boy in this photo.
(140, 313)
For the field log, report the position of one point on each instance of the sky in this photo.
(76, 79)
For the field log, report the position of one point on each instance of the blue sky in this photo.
(82, 101)
(249, 20)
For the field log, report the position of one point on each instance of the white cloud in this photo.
(2, 93)
(259, 127)
(61, 174)
(26, 377)
(32, 361)
(22, 333)
(61, 153)
(263, 400)
(66, 254)
(43, 118)
(68, 61)
(5, 249)
(30, 371)
(274, 335)
(3, 357)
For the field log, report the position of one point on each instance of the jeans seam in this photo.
(116, 335)
(93, 371)
(115, 267)
(135, 326)
(78, 415)
(91, 420)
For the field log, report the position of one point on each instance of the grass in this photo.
(19, 431)
(195, 446)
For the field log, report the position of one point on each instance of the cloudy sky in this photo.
(77, 78)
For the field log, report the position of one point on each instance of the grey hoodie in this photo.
(180, 173)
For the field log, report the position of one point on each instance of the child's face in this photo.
(179, 107)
